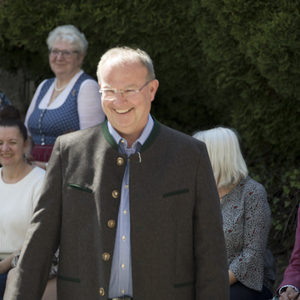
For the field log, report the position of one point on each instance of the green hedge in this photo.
(230, 62)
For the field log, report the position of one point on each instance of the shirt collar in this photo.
(142, 138)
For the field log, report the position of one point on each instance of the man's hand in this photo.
(289, 294)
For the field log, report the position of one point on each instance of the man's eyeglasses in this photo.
(65, 53)
(111, 94)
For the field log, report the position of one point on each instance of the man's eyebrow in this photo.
(124, 88)
(130, 86)
(106, 87)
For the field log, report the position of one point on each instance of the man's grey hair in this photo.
(69, 34)
(123, 55)
(225, 155)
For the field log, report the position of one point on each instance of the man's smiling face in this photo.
(127, 116)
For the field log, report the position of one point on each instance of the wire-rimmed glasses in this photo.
(111, 94)
(65, 53)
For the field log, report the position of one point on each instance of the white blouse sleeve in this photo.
(89, 105)
(32, 105)
(37, 189)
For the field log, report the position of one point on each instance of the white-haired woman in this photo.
(246, 218)
(66, 103)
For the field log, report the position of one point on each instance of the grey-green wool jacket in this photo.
(177, 242)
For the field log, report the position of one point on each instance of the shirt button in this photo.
(111, 223)
(123, 266)
(125, 212)
(115, 194)
(123, 291)
(101, 292)
(105, 256)
(126, 186)
(122, 141)
(123, 237)
(120, 161)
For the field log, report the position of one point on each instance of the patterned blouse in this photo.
(246, 225)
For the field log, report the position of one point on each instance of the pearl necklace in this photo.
(57, 89)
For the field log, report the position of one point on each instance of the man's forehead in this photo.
(121, 62)
(123, 69)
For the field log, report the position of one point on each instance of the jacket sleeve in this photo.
(292, 272)
(209, 244)
(43, 236)
(248, 266)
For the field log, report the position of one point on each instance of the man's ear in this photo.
(154, 84)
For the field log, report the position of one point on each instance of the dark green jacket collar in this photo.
(152, 137)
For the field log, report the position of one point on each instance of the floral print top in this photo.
(246, 225)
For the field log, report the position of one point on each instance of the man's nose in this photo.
(119, 98)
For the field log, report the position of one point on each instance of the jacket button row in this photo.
(120, 161)
(111, 223)
(115, 194)
(101, 291)
(105, 256)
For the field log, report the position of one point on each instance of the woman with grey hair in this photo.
(68, 102)
(246, 218)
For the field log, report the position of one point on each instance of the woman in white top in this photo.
(20, 186)
(70, 101)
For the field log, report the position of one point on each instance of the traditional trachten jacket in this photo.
(178, 248)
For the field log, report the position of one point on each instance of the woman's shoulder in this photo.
(37, 173)
(43, 82)
(254, 186)
(88, 80)
(254, 192)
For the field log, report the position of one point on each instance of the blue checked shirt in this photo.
(121, 270)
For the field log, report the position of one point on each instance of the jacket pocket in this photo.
(174, 193)
(80, 188)
(68, 279)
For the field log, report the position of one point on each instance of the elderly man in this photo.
(132, 204)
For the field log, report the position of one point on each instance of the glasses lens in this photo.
(129, 94)
(54, 52)
(108, 94)
(66, 54)
(112, 94)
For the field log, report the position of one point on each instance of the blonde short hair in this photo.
(123, 55)
(69, 34)
(225, 155)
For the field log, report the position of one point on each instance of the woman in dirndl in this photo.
(68, 102)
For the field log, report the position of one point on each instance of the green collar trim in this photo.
(108, 136)
(152, 137)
